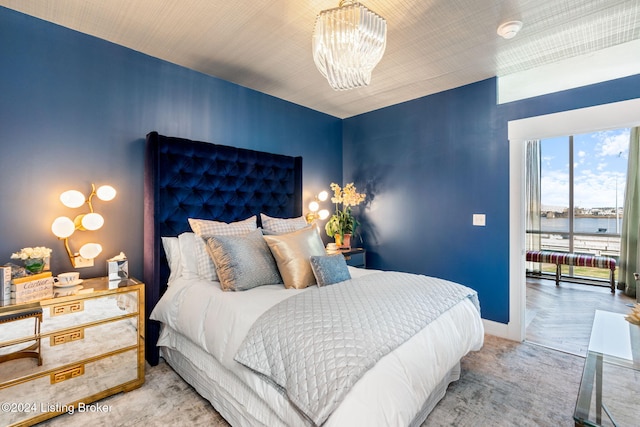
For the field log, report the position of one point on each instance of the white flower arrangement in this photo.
(32, 253)
(343, 222)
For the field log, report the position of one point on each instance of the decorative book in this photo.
(5, 285)
(32, 288)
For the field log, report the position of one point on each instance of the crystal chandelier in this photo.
(348, 42)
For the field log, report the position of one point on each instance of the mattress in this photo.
(202, 324)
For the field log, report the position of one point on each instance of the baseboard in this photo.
(500, 330)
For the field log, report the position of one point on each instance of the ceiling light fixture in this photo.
(348, 42)
(509, 29)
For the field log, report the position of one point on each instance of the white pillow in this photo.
(172, 250)
(207, 228)
(272, 225)
(188, 261)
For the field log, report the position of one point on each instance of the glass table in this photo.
(609, 392)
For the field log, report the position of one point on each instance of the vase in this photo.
(343, 241)
(346, 241)
(34, 265)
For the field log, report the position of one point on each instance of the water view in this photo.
(600, 236)
(582, 225)
(585, 174)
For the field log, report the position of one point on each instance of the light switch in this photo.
(479, 220)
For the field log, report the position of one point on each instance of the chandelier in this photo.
(348, 42)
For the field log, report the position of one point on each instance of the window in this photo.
(581, 196)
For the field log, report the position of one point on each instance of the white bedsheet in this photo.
(218, 321)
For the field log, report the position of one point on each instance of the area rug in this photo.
(504, 384)
(508, 384)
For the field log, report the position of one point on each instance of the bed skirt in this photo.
(243, 407)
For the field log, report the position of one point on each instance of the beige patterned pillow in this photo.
(292, 252)
(207, 228)
(272, 225)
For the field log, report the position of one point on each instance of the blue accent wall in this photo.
(75, 109)
(429, 164)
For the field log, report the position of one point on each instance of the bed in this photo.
(222, 343)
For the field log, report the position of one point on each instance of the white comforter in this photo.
(218, 321)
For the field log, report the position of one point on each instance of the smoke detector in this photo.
(509, 29)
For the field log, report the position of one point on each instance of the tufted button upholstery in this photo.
(194, 179)
(203, 180)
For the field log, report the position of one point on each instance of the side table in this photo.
(88, 346)
(355, 257)
(612, 363)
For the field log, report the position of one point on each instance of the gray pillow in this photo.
(329, 269)
(243, 262)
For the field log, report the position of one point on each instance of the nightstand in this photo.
(91, 346)
(355, 257)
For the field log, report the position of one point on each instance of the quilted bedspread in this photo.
(316, 345)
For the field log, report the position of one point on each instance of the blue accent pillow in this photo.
(243, 262)
(329, 269)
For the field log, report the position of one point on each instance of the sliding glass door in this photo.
(582, 180)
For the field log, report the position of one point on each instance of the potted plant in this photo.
(342, 224)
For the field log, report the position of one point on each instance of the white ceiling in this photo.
(432, 45)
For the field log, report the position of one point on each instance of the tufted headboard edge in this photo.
(185, 178)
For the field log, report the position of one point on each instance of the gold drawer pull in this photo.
(73, 307)
(58, 377)
(75, 335)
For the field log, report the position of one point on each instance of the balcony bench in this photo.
(581, 260)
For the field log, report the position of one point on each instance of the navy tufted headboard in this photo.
(191, 179)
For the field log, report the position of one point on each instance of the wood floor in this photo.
(560, 317)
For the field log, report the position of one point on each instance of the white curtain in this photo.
(532, 194)
(630, 233)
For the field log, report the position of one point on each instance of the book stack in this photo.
(5, 286)
(32, 288)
